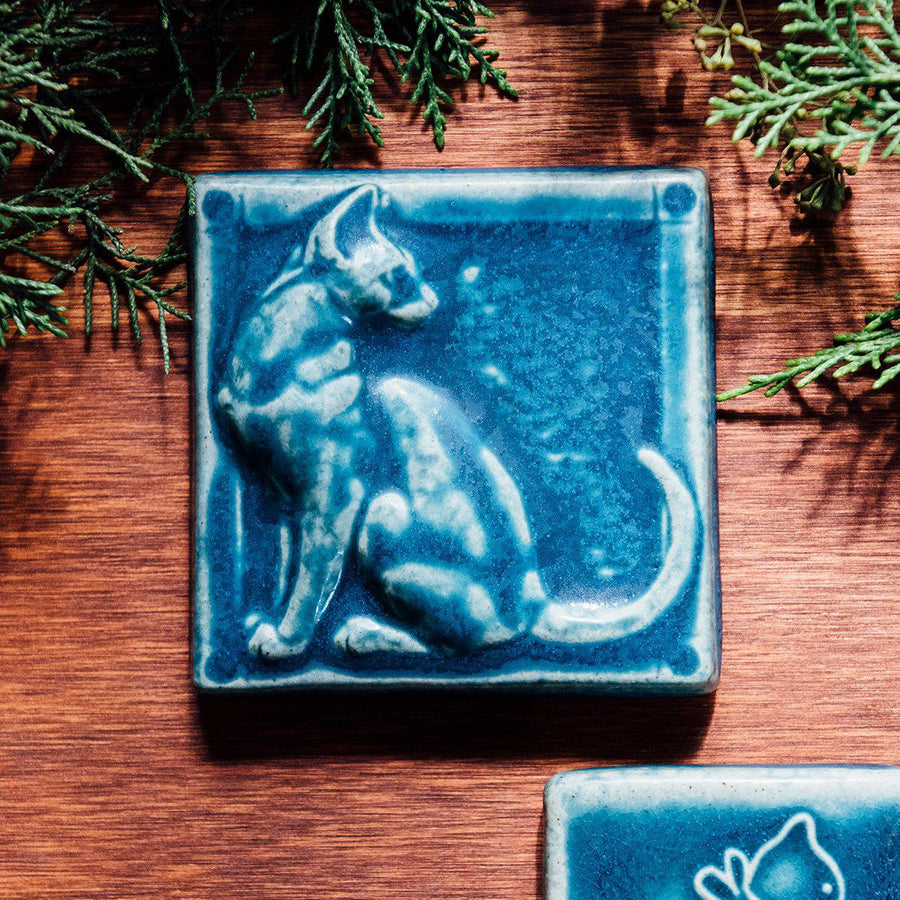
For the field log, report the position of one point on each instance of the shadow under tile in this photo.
(459, 725)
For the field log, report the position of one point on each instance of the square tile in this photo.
(455, 428)
(724, 833)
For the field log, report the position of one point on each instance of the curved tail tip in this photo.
(564, 624)
(654, 461)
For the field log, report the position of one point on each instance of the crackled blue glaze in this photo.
(455, 428)
(724, 833)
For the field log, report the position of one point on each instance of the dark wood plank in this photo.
(115, 781)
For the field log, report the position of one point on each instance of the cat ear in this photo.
(350, 223)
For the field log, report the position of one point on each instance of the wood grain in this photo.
(117, 782)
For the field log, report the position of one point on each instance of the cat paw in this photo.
(360, 635)
(269, 644)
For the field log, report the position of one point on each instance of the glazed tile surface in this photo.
(455, 428)
(724, 833)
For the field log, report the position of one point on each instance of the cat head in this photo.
(793, 865)
(363, 270)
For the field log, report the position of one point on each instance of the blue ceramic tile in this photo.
(455, 428)
(724, 833)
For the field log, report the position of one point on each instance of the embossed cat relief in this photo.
(792, 865)
(430, 545)
(396, 452)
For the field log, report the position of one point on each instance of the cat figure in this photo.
(793, 865)
(448, 551)
(292, 396)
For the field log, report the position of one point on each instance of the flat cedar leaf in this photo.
(833, 86)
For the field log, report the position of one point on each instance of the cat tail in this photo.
(577, 623)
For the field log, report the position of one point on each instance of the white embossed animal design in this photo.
(448, 552)
(793, 865)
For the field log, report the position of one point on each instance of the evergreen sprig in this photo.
(834, 84)
(68, 70)
(443, 47)
(839, 68)
(343, 99)
(428, 42)
(714, 37)
(876, 346)
(109, 89)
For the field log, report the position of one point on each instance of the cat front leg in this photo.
(325, 530)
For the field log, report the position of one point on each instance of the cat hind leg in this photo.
(385, 520)
(446, 603)
(442, 604)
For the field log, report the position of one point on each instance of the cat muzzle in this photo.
(414, 312)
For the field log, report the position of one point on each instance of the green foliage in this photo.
(442, 46)
(714, 38)
(93, 95)
(876, 347)
(67, 70)
(834, 84)
(428, 42)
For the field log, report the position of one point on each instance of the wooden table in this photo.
(117, 781)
